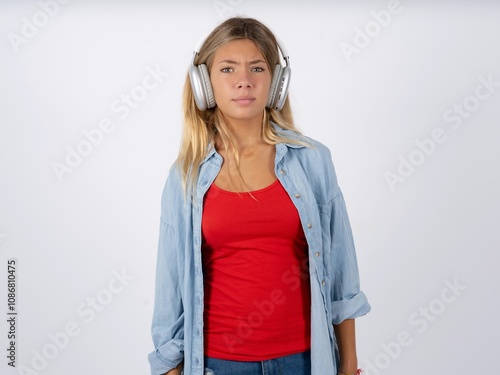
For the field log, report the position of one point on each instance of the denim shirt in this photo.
(308, 176)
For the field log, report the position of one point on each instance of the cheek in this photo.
(265, 86)
(219, 85)
(267, 81)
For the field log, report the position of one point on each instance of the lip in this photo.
(245, 99)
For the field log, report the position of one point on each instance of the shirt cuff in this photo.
(165, 359)
(350, 308)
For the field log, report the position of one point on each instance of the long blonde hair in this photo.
(201, 127)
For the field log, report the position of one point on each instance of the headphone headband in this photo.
(284, 52)
(281, 49)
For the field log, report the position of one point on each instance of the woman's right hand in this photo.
(175, 371)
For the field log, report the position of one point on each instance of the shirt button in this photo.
(282, 171)
(322, 282)
(309, 225)
(317, 254)
(197, 361)
(297, 195)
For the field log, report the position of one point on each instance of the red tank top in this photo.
(256, 275)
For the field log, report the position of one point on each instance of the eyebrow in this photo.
(228, 61)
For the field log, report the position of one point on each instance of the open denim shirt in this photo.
(308, 176)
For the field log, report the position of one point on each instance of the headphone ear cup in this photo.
(209, 93)
(202, 89)
(282, 88)
(274, 83)
(196, 86)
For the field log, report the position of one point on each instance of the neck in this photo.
(245, 134)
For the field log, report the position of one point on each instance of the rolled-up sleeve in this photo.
(348, 301)
(168, 316)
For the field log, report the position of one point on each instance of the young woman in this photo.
(257, 271)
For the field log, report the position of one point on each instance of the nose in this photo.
(244, 80)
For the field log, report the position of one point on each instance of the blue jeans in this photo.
(295, 364)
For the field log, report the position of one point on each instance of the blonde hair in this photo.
(201, 127)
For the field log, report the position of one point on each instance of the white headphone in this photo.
(204, 95)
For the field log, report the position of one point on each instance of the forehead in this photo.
(238, 49)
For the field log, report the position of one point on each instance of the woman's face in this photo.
(240, 80)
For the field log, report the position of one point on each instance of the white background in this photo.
(436, 227)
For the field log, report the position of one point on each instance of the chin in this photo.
(245, 116)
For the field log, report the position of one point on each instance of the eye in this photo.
(226, 70)
(257, 69)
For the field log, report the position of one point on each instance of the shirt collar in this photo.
(210, 152)
(290, 135)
